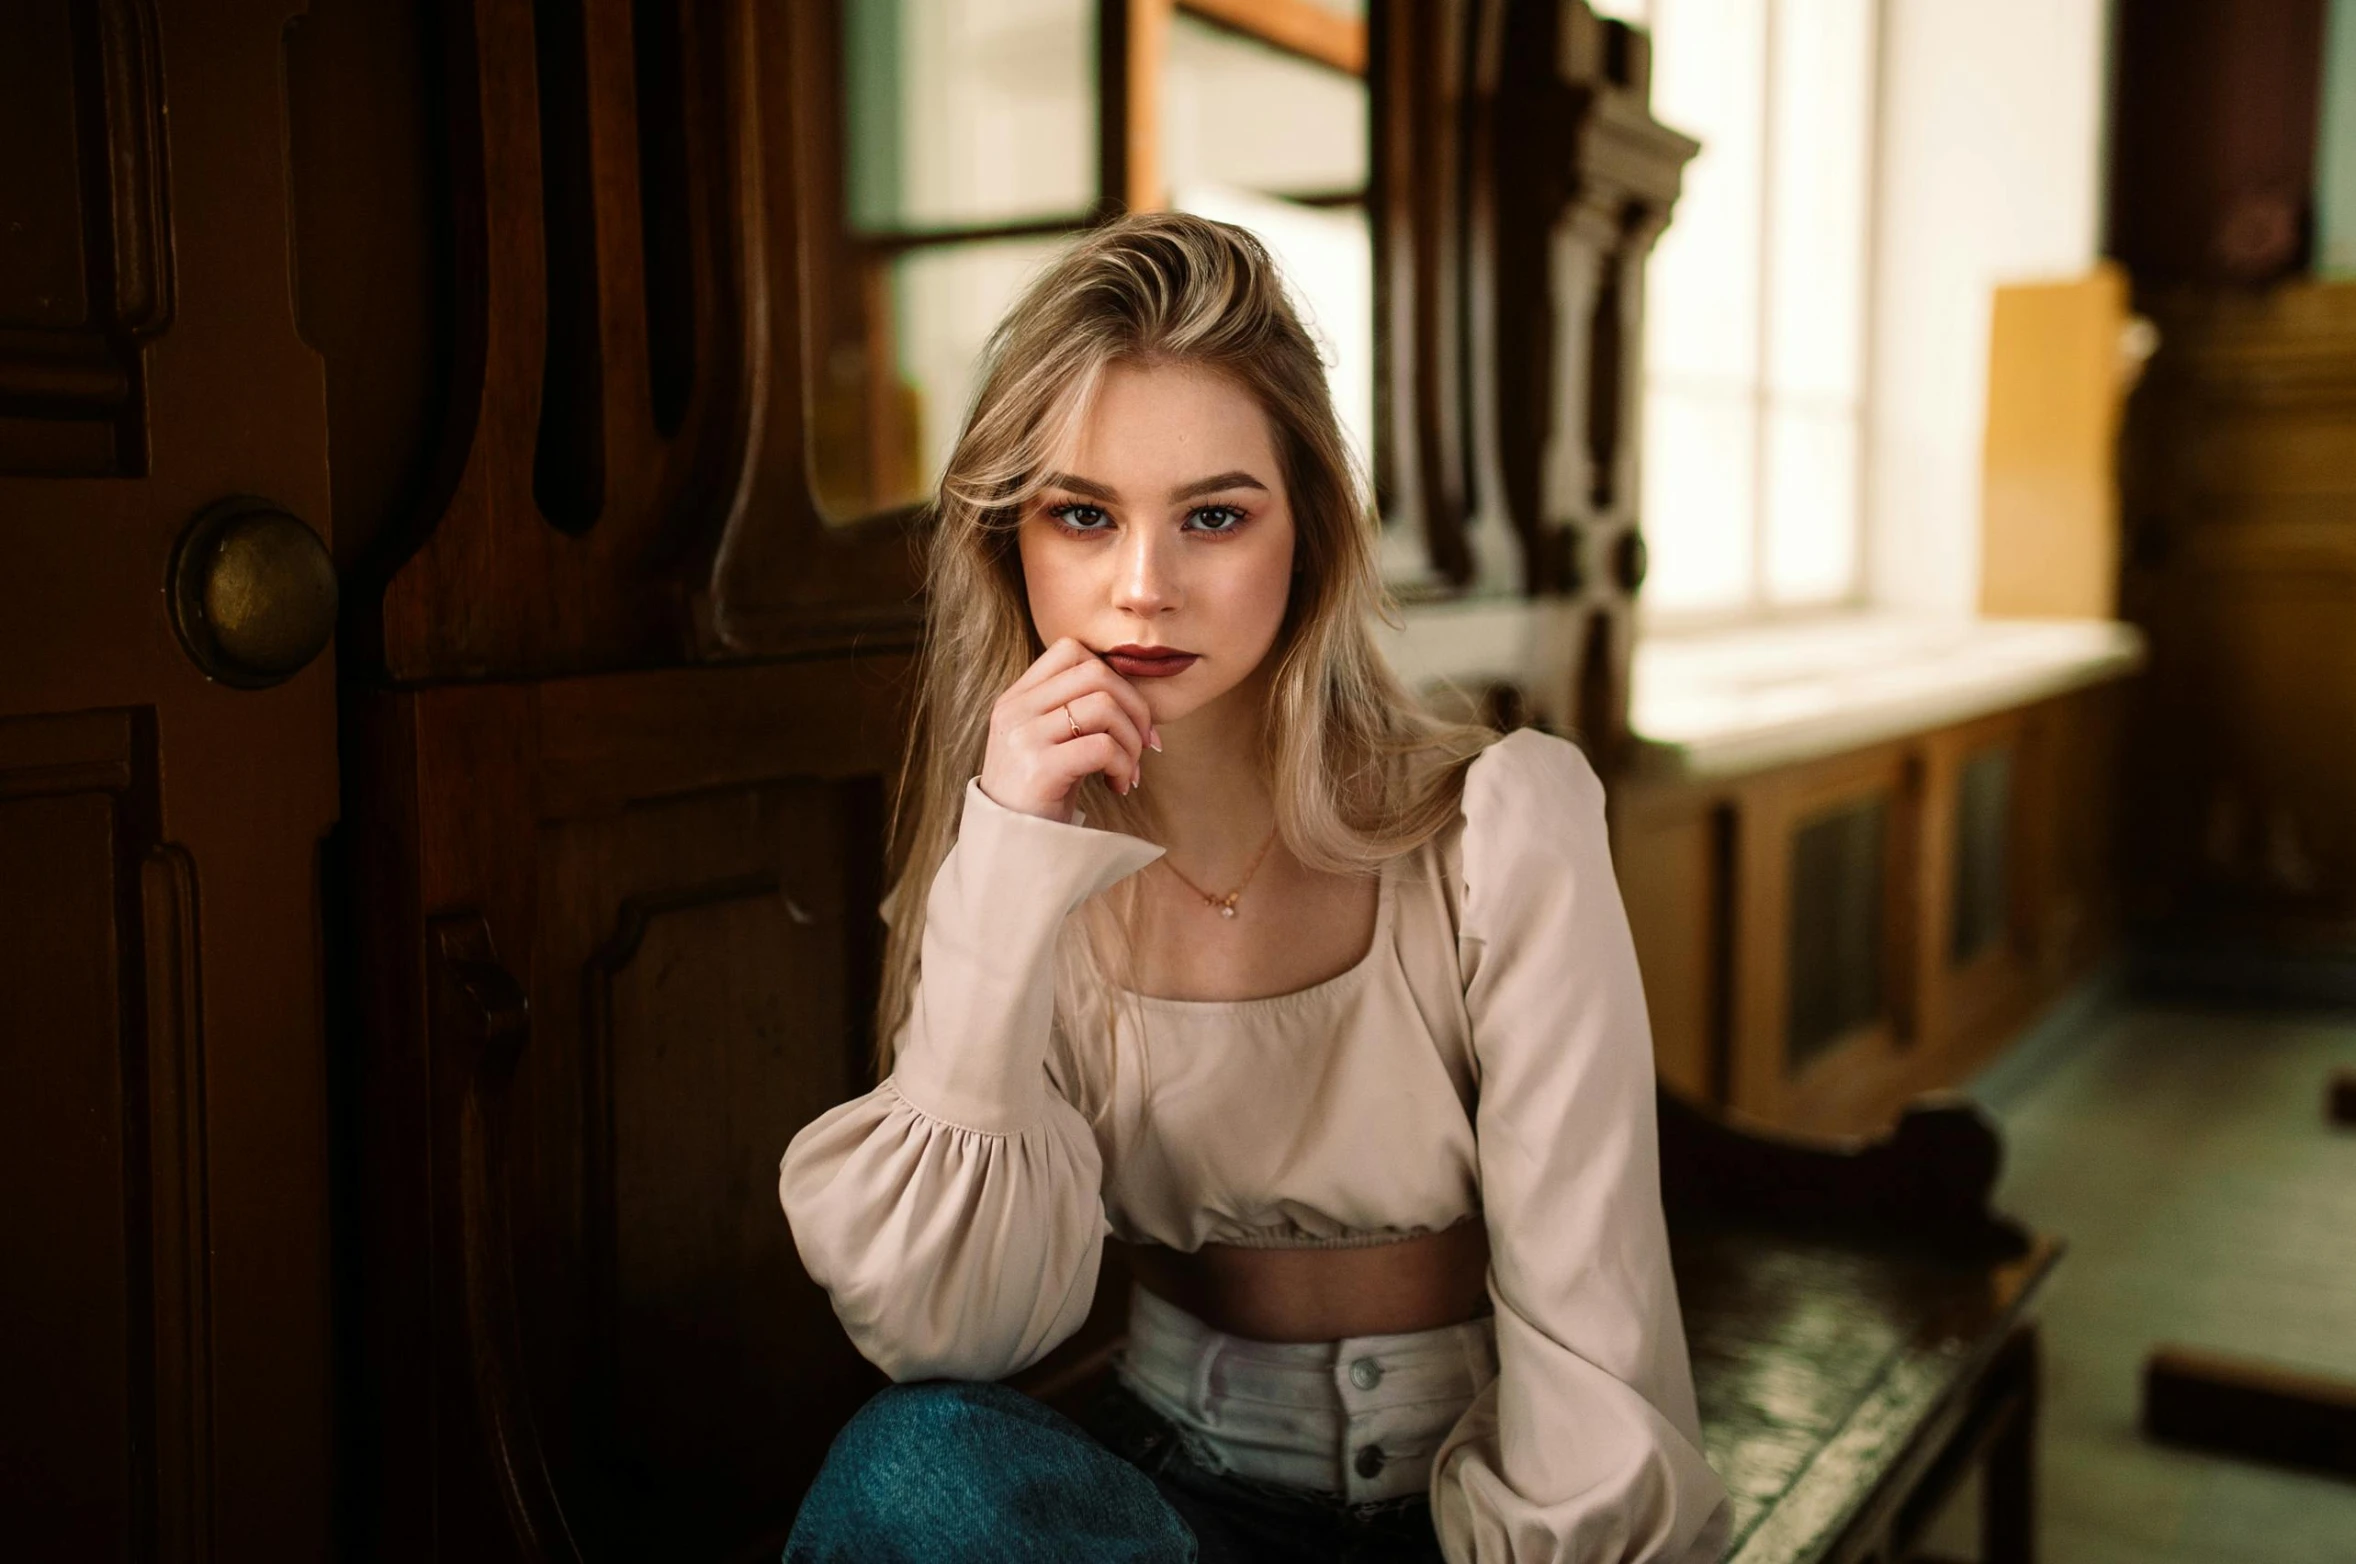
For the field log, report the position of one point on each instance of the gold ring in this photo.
(1068, 717)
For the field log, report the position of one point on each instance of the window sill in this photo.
(1728, 703)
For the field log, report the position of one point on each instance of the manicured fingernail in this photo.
(1153, 740)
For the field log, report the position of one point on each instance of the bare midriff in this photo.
(1324, 1294)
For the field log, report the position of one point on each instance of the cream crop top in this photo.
(1489, 1056)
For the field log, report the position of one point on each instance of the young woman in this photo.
(1210, 939)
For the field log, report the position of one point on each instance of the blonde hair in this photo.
(1359, 771)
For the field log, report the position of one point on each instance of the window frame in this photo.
(1132, 55)
(1757, 605)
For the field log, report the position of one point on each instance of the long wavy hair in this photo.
(1359, 770)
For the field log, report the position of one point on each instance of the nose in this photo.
(1146, 581)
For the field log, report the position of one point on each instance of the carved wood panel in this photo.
(624, 478)
(1572, 181)
(665, 884)
(108, 1362)
(85, 272)
(1416, 114)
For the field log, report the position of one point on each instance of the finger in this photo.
(1073, 759)
(1092, 711)
(1096, 674)
(1066, 652)
(1027, 697)
(1102, 709)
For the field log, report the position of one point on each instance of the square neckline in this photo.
(1384, 897)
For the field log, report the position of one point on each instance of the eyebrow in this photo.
(1238, 479)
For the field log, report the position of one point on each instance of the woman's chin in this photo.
(1167, 706)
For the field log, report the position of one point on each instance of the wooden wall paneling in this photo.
(1417, 92)
(1673, 848)
(624, 479)
(1710, 871)
(1572, 184)
(632, 950)
(1967, 1003)
(86, 277)
(1846, 1083)
(2043, 818)
(1927, 893)
(2081, 914)
(111, 1345)
(2239, 486)
(374, 285)
(1761, 964)
(784, 577)
(439, 905)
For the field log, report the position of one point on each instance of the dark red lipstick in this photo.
(1132, 661)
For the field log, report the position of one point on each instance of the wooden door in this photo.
(622, 704)
(166, 1341)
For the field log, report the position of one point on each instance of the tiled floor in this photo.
(2184, 1155)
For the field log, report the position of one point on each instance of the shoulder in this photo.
(1528, 778)
(1531, 824)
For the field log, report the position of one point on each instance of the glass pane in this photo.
(1816, 195)
(1838, 893)
(1327, 256)
(947, 300)
(877, 446)
(1983, 816)
(968, 111)
(1699, 459)
(1811, 503)
(1237, 112)
(1702, 284)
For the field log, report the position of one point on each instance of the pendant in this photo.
(1227, 910)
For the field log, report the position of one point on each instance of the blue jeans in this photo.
(944, 1470)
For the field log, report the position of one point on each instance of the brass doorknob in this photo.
(252, 591)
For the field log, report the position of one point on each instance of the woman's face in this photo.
(1165, 527)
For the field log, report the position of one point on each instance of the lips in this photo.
(1137, 662)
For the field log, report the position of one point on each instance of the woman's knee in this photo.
(909, 1436)
(923, 1468)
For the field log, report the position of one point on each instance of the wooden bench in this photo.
(1860, 1330)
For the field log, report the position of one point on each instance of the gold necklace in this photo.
(1224, 905)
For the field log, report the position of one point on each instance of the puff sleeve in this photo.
(1586, 1448)
(955, 1214)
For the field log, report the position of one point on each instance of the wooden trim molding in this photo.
(483, 1024)
(75, 371)
(623, 479)
(182, 1221)
(1301, 27)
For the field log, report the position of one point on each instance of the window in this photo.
(1756, 306)
(968, 155)
(978, 136)
(1277, 143)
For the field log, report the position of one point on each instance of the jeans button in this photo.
(1370, 1460)
(1366, 1373)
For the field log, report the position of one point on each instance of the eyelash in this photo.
(1060, 512)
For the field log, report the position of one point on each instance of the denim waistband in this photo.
(1361, 1417)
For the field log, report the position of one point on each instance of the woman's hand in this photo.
(1035, 759)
